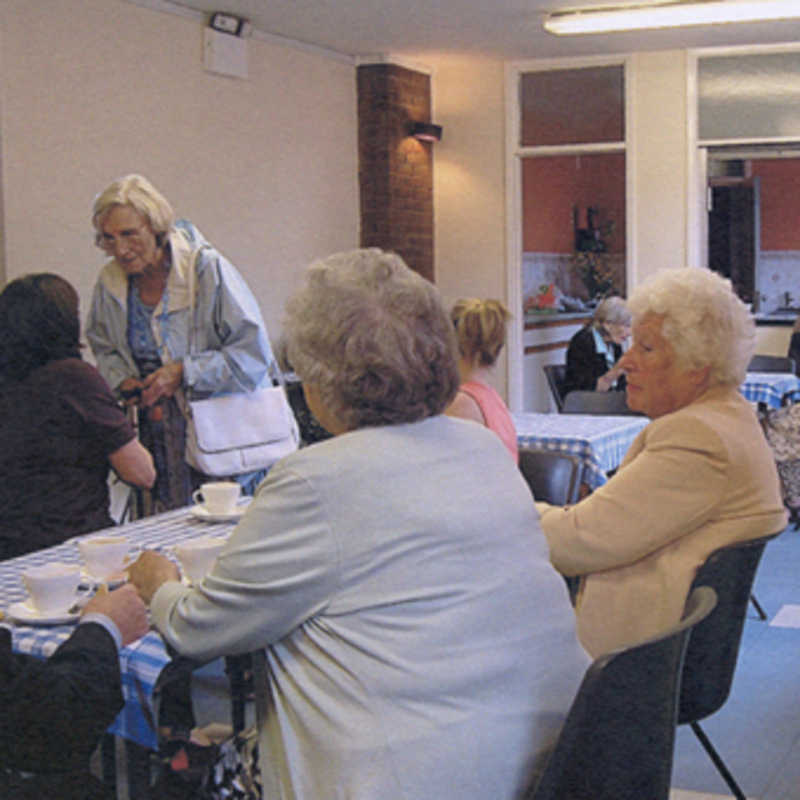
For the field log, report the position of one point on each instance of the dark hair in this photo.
(39, 323)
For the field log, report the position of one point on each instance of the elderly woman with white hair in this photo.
(163, 287)
(594, 351)
(700, 476)
(419, 643)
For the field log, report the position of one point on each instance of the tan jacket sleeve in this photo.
(669, 484)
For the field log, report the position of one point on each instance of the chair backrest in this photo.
(794, 351)
(619, 736)
(552, 476)
(580, 402)
(714, 647)
(556, 374)
(762, 363)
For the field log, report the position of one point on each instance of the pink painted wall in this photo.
(551, 186)
(780, 202)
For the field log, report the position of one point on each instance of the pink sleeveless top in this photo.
(495, 414)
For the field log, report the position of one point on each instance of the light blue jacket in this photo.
(231, 352)
(419, 644)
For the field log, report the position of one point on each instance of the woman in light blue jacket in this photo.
(141, 318)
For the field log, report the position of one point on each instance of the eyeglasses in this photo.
(130, 236)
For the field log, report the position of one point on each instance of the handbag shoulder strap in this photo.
(192, 281)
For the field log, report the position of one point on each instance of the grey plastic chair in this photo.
(763, 363)
(555, 374)
(618, 740)
(612, 403)
(714, 648)
(552, 476)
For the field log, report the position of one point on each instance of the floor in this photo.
(757, 731)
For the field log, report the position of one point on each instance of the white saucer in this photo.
(200, 512)
(25, 613)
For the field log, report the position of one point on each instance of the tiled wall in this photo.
(546, 268)
(779, 273)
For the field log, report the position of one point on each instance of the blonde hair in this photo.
(480, 329)
(138, 193)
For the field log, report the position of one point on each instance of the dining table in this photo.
(600, 441)
(771, 389)
(143, 661)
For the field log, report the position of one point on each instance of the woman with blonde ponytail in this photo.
(481, 333)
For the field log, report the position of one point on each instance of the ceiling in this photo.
(504, 29)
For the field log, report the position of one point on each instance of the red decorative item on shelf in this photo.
(545, 300)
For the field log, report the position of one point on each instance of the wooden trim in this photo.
(554, 323)
(544, 348)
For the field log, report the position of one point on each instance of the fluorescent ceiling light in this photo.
(669, 15)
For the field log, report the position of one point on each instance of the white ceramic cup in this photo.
(53, 587)
(219, 497)
(197, 556)
(104, 555)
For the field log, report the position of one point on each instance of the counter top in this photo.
(538, 318)
(776, 318)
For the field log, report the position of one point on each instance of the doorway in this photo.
(752, 237)
(734, 227)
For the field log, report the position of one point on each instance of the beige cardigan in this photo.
(694, 480)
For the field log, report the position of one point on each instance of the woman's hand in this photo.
(131, 389)
(164, 382)
(605, 382)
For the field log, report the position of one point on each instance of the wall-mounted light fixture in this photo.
(669, 15)
(426, 131)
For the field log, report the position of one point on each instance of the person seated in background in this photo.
(54, 711)
(594, 351)
(700, 476)
(61, 426)
(481, 333)
(419, 643)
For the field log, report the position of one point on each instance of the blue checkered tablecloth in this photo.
(600, 441)
(771, 388)
(142, 661)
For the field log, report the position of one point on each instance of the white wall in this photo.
(657, 160)
(93, 89)
(469, 199)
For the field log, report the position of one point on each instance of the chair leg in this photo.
(757, 606)
(718, 762)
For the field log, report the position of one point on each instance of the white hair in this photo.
(704, 321)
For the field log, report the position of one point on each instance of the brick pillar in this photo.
(395, 170)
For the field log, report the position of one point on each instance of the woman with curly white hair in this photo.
(700, 476)
(419, 643)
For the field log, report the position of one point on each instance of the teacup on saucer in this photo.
(197, 556)
(104, 556)
(53, 587)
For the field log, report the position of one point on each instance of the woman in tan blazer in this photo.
(698, 477)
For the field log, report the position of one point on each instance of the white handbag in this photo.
(236, 433)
